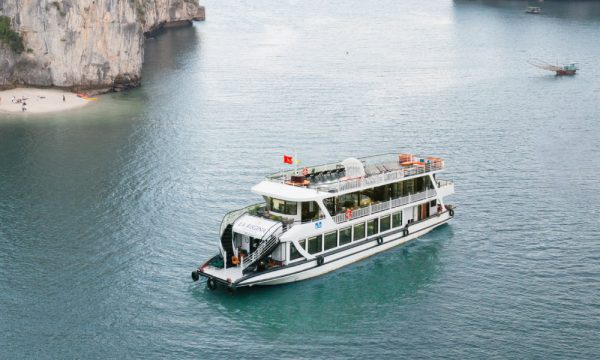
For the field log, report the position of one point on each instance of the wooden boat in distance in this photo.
(566, 69)
(533, 10)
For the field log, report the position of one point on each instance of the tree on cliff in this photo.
(9, 36)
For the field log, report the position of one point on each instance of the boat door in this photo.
(422, 211)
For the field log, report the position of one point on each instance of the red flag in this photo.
(288, 159)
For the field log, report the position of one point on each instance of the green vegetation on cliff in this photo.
(9, 36)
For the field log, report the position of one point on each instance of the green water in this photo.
(104, 211)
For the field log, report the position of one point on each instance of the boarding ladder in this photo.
(264, 249)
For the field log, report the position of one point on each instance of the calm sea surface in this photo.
(104, 211)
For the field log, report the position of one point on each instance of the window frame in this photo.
(376, 221)
(334, 232)
(389, 216)
(320, 242)
(392, 219)
(364, 231)
(340, 235)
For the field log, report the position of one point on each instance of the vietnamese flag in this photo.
(288, 159)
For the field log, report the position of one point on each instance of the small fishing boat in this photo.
(86, 97)
(566, 69)
(533, 10)
(325, 217)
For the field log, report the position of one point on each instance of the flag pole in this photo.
(295, 163)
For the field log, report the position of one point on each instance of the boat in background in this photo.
(566, 69)
(533, 10)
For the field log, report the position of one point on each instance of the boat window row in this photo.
(309, 210)
(282, 206)
(347, 235)
(359, 199)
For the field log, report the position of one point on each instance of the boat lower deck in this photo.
(325, 262)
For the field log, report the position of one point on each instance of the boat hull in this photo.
(565, 72)
(310, 269)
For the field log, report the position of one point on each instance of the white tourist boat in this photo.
(318, 219)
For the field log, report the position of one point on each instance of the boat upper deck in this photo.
(357, 173)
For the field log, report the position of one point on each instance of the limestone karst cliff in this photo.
(83, 44)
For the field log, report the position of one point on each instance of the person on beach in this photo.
(13, 99)
(63, 97)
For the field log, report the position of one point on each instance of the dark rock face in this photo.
(200, 14)
(126, 81)
(84, 44)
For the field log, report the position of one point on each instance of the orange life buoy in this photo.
(348, 213)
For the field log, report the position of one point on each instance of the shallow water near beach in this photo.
(105, 210)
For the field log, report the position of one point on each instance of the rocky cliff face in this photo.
(84, 44)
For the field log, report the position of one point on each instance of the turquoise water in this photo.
(104, 211)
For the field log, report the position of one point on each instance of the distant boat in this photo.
(533, 10)
(86, 97)
(566, 69)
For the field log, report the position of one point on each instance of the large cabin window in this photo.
(385, 223)
(361, 199)
(330, 205)
(397, 219)
(345, 235)
(330, 240)
(310, 211)
(315, 244)
(359, 232)
(372, 227)
(294, 253)
(283, 207)
(409, 187)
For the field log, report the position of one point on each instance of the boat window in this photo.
(359, 231)
(382, 193)
(330, 205)
(310, 211)
(315, 244)
(397, 189)
(345, 235)
(294, 253)
(348, 201)
(283, 207)
(397, 219)
(385, 223)
(330, 240)
(408, 187)
(339, 204)
(372, 227)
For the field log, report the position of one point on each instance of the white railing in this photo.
(349, 184)
(261, 250)
(390, 204)
(231, 216)
(444, 183)
(387, 164)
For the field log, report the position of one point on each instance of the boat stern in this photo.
(217, 273)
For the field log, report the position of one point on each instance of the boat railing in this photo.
(264, 247)
(386, 205)
(233, 215)
(349, 184)
(444, 183)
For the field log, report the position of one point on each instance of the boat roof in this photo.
(318, 182)
(286, 192)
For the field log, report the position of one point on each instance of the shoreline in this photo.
(39, 101)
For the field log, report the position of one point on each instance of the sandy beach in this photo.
(39, 101)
